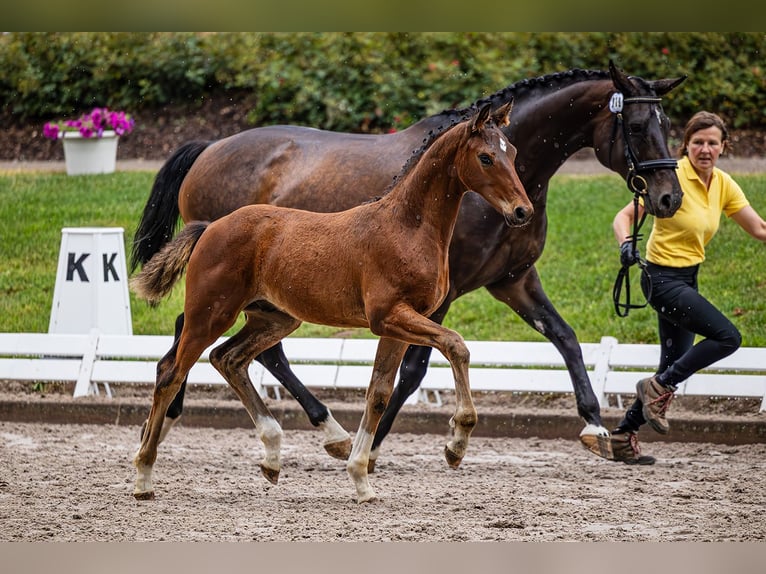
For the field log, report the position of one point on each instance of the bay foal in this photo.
(381, 265)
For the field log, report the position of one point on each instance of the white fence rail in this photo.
(105, 360)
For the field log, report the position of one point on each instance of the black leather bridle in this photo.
(639, 187)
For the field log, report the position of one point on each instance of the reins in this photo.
(638, 186)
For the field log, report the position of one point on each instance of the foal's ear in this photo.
(501, 115)
(481, 118)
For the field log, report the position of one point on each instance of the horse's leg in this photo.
(528, 299)
(262, 329)
(387, 358)
(411, 374)
(405, 324)
(337, 442)
(171, 371)
(177, 404)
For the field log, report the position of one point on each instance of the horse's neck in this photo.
(550, 125)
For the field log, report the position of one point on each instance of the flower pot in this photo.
(90, 155)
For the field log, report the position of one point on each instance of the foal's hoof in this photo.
(453, 460)
(270, 474)
(340, 449)
(144, 495)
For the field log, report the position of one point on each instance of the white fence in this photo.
(96, 359)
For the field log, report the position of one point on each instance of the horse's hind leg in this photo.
(387, 359)
(171, 371)
(262, 329)
(337, 442)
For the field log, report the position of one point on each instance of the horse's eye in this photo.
(636, 128)
(485, 159)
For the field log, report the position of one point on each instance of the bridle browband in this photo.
(638, 186)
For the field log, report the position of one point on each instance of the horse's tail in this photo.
(161, 272)
(160, 218)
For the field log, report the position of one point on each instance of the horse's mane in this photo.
(517, 90)
(453, 118)
(531, 85)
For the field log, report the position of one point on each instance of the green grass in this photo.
(577, 268)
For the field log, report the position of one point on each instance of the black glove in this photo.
(627, 256)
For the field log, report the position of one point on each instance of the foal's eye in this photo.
(485, 159)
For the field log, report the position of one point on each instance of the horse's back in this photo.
(292, 166)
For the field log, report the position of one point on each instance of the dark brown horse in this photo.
(381, 265)
(554, 117)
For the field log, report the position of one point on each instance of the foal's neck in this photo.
(430, 193)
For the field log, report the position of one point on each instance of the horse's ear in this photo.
(620, 80)
(501, 115)
(662, 87)
(481, 118)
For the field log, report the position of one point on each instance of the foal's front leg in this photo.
(387, 358)
(407, 325)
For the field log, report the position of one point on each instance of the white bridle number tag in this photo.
(615, 103)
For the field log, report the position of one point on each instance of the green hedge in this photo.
(359, 81)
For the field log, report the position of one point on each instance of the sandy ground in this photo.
(73, 483)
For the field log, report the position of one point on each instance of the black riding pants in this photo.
(682, 314)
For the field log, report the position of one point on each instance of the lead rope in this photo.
(623, 275)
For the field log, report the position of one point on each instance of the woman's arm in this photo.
(622, 225)
(749, 220)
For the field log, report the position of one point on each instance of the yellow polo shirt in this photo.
(680, 241)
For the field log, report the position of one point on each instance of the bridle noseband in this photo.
(638, 186)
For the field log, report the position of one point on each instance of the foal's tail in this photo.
(162, 271)
(160, 218)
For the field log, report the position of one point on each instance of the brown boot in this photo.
(625, 449)
(656, 400)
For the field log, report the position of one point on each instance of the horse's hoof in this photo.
(453, 460)
(598, 444)
(144, 495)
(340, 449)
(362, 500)
(270, 474)
(596, 439)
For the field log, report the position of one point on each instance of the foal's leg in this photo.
(337, 442)
(528, 299)
(262, 329)
(411, 374)
(171, 372)
(387, 359)
(177, 404)
(406, 324)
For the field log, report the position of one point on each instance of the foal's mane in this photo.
(453, 118)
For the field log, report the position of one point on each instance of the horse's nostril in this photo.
(521, 213)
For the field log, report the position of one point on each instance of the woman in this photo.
(675, 249)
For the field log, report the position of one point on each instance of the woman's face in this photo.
(704, 147)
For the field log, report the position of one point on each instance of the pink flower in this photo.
(666, 51)
(92, 124)
(51, 131)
